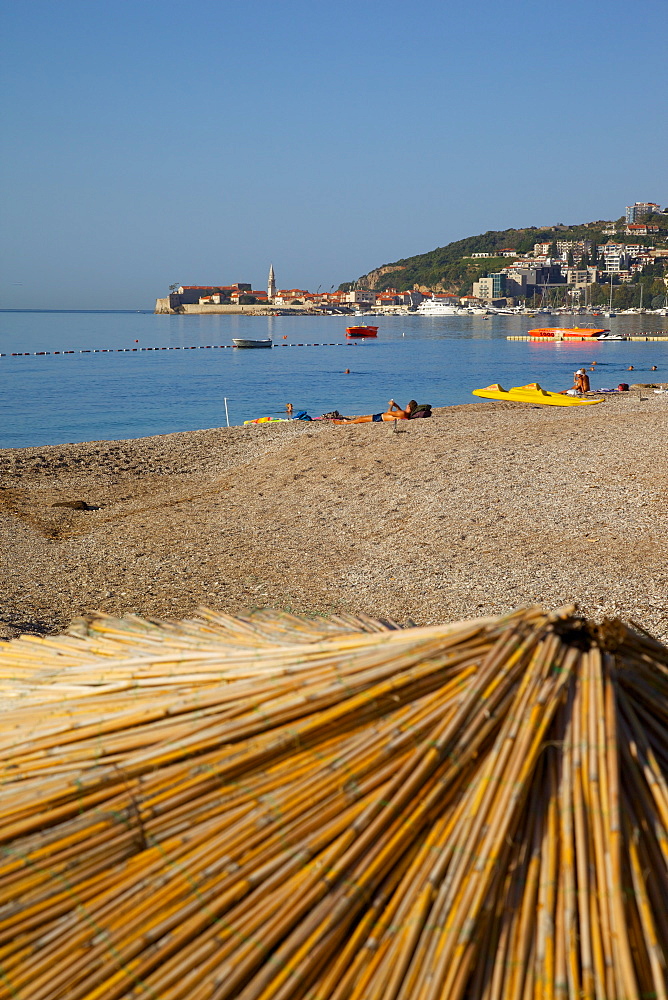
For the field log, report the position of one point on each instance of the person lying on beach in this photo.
(395, 412)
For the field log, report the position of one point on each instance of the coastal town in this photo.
(567, 274)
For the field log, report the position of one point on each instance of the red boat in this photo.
(361, 331)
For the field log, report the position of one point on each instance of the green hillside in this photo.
(450, 268)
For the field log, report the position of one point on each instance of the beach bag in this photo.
(301, 415)
(623, 387)
(423, 410)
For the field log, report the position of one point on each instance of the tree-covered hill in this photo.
(451, 268)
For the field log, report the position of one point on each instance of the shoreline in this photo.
(480, 509)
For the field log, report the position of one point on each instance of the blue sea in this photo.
(123, 390)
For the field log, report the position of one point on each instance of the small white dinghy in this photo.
(241, 342)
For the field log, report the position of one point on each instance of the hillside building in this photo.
(641, 229)
(615, 257)
(578, 249)
(641, 209)
(581, 277)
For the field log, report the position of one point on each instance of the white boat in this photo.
(611, 311)
(436, 307)
(243, 342)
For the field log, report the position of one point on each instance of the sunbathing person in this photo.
(395, 412)
(581, 383)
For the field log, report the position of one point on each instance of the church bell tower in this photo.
(271, 286)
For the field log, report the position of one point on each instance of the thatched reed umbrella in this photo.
(272, 808)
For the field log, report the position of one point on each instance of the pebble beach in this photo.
(479, 510)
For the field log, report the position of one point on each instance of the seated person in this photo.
(395, 412)
(581, 383)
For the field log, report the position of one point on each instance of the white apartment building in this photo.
(641, 209)
(615, 260)
(577, 247)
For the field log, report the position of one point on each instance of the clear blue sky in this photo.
(148, 143)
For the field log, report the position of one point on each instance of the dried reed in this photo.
(273, 808)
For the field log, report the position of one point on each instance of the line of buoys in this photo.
(130, 350)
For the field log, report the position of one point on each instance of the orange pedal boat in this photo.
(565, 331)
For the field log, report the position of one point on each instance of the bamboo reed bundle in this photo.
(275, 808)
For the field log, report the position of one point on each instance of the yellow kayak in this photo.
(532, 393)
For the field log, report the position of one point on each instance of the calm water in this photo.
(85, 397)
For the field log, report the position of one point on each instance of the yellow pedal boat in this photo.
(532, 393)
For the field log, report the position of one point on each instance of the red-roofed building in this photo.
(191, 294)
(641, 229)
